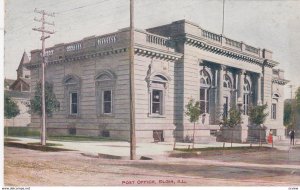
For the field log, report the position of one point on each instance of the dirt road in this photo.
(25, 167)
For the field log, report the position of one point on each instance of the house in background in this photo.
(19, 91)
(172, 64)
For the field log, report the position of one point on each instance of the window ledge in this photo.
(106, 115)
(156, 116)
(73, 116)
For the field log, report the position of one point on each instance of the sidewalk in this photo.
(122, 149)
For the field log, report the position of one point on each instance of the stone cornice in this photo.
(280, 81)
(219, 49)
(157, 53)
(79, 57)
(270, 63)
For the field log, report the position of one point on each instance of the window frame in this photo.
(161, 102)
(205, 100)
(158, 81)
(205, 84)
(103, 101)
(71, 103)
(246, 96)
(105, 80)
(72, 85)
(246, 102)
(274, 111)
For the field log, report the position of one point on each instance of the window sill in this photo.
(73, 116)
(106, 115)
(156, 116)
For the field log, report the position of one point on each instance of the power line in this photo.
(80, 7)
(223, 17)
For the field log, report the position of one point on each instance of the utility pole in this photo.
(43, 38)
(223, 18)
(132, 91)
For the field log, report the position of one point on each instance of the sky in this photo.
(270, 24)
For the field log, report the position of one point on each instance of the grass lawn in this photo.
(246, 148)
(47, 144)
(215, 151)
(36, 146)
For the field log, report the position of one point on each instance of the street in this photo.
(25, 167)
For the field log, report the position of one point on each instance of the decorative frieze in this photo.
(270, 63)
(74, 47)
(49, 52)
(222, 51)
(159, 55)
(279, 81)
(252, 49)
(107, 40)
(79, 57)
(211, 36)
(233, 43)
(155, 39)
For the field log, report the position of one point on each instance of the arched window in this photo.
(275, 98)
(105, 85)
(227, 82)
(72, 94)
(204, 78)
(246, 97)
(205, 84)
(157, 83)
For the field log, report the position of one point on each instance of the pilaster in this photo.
(259, 101)
(221, 90)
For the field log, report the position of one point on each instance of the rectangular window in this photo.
(107, 101)
(73, 103)
(273, 111)
(204, 100)
(246, 104)
(157, 98)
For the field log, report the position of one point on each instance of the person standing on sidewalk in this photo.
(292, 137)
(270, 137)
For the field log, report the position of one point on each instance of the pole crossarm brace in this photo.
(43, 30)
(45, 22)
(43, 12)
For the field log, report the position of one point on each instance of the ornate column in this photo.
(259, 102)
(221, 90)
(241, 84)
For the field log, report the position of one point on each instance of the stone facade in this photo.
(173, 63)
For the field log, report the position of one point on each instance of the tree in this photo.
(297, 97)
(51, 103)
(288, 115)
(234, 119)
(193, 111)
(11, 108)
(258, 116)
